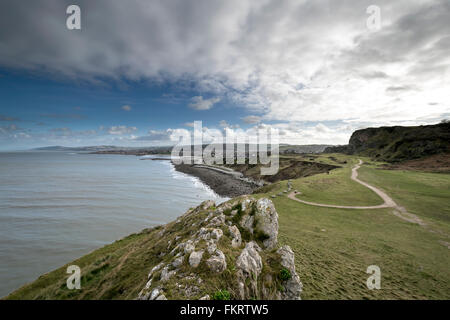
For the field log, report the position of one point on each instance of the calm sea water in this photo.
(58, 206)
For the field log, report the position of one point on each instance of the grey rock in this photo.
(216, 234)
(166, 274)
(148, 284)
(178, 262)
(204, 234)
(293, 286)
(207, 204)
(217, 262)
(195, 258)
(211, 246)
(155, 268)
(249, 266)
(245, 204)
(154, 294)
(217, 221)
(249, 261)
(267, 222)
(247, 223)
(236, 240)
(189, 247)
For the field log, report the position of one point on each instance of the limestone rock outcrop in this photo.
(233, 246)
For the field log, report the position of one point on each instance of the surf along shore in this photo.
(224, 183)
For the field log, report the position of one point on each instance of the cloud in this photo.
(8, 129)
(12, 132)
(398, 88)
(6, 118)
(126, 108)
(155, 136)
(252, 119)
(121, 130)
(300, 61)
(66, 132)
(63, 116)
(223, 124)
(198, 103)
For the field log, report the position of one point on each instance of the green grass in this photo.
(112, 272)
(334, 247)
(336, 188)
(332, 263)
(424, 194)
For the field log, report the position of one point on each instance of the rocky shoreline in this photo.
(225, 185)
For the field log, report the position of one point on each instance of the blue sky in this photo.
(140, 70)
(45, 109)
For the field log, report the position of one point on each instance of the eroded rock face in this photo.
(195, 258)
(234, 241)
(249, 261)
(267, 222)
(293, 286)
(249, 265)
(217, 263)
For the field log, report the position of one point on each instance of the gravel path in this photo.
(388, 202)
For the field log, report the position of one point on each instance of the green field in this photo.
(334, 247)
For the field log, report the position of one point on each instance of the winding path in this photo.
(388, 202)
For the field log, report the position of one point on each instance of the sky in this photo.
(139, 72)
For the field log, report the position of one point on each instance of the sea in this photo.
(58, 206)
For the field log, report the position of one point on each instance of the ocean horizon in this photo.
(58, 206)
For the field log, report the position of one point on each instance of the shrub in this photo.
(285, 274)
(261, 236)
(222, 295)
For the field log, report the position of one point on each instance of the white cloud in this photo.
(295, 60)
(154, 136)
(252, 119)
(121, 130)
(198, 103)
(126, 108)
(223, 124)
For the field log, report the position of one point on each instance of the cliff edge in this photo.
(229, 251)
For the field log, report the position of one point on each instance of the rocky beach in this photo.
(224, 184)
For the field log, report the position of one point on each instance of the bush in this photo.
(285, 274)
(222, 295)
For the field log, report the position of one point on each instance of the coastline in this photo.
(83, 201)
(225, 185)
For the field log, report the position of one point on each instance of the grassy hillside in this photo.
(398, 143)
(333, 247)
(203, 254)
(115, 271)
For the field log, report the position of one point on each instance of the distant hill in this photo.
(395, 144)
(110, 149)
(310, 148)
(90, 148)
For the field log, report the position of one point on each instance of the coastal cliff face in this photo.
(221, 253)
(229, 251)
(397, 143)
